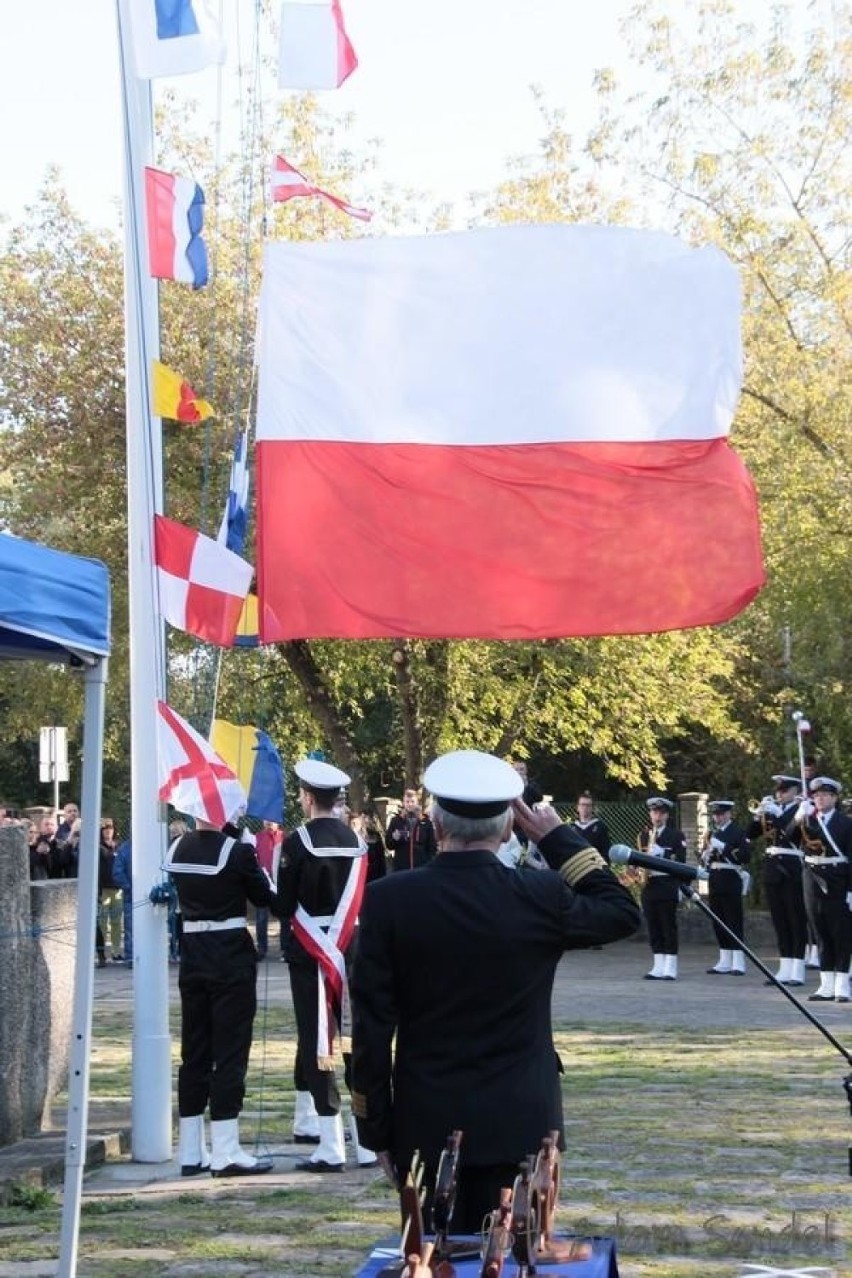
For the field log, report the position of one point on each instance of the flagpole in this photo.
(151, 1069)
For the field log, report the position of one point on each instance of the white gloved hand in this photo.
(849, 900)
(804, 810)
(771, 809)
(717, 845)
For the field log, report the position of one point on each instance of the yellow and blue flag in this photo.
(251, 753)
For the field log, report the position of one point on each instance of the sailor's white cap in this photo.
(783, 781)
(657, 801)
(471, 783)
(720, 805)
(320, 775)
(824, 783)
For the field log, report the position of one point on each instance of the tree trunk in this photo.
(297, 653)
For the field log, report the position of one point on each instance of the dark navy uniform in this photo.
(727, 853)
(313, 876)
(827, 847)
(214, 876)
(782, 877)
(660, 897)
(457, 959)
(595, 833)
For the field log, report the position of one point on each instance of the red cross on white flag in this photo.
(192, 776)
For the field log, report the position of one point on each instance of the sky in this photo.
(445, 83)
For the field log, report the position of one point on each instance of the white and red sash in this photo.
(326, 941)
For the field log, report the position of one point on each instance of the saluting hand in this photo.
(535, 822)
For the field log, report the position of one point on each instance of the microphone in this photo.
(621, 854)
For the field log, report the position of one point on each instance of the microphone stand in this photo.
(690, 893)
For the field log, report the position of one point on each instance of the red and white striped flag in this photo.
(314, 50)
(192, 776)
(202, 584)
(288, 184)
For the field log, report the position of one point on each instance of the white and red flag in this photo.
(514, 433)
(314, 50)
(192, 776)
(289, 184)
(202, 584)
(175, 216)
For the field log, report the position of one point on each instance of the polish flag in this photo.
(202, 584)
(288, 184)
(192, 776)
(175, 214)
(513, 433)
(314, 50)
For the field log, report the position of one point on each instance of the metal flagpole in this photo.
(151, 1077)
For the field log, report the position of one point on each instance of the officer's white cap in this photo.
(657, 801)
(471, 783)
(785, 782)
(825, 783)
(320, 775)
(720, 805)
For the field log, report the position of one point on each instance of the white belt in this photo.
(784, 852)
(214, 925)
(724, 865)
(826, 860)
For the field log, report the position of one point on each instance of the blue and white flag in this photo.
(232, 531)
(173, 37)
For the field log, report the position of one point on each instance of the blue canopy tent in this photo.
(56, 607)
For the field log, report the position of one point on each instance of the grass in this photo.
(697, 1152)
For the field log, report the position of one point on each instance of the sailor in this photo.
(827, 848)
(660, 892)
(452, 982)
(321, 881)
(726, 854)
(773, 819)
(215, 874)
(590, 826)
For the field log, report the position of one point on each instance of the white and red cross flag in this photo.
(192, 776)
(515, 433)
(314, 50)
(289, 184)
(202, 585)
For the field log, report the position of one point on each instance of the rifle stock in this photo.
(498, 1240)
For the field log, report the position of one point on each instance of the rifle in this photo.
(524, 1222)
(444, 1199)
(420, 1266)
(411, 1201)
(544, 1189)
(498, 1241)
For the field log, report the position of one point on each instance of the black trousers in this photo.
(659, 906)
(321, 1083)
(833, 917)
(783, 884)
(727, 902)
(477, 1193)
(218, 995)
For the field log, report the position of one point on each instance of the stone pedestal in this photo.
(38, 937)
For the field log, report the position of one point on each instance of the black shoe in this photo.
(820, 998)
(375, 1162)
(319, 1167)
(718, 971)
(194, 1169)
(306, 1140)
(842, 998)
(794, 983)
(649, 976)
(236, 1169)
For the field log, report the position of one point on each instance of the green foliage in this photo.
(737, 137)
(30, 1197)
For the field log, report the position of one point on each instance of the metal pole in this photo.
(84, 975)
(151, 1085)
